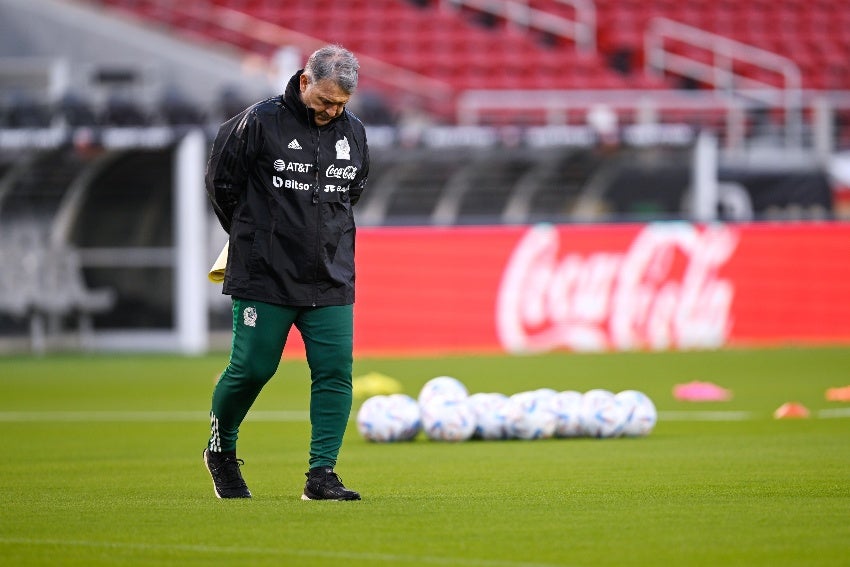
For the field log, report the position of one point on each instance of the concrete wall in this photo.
(84, 38)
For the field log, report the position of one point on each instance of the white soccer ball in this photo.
(489, 419)
(602, 415)
(446, 387)
(567, 408)
(642, 414)
(384, 419)
(445, 419)
(529, 415)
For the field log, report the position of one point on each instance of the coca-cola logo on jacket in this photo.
(663, 291)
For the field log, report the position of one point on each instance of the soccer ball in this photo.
(444, 419)
(602, 415)
(489, 420)
(567, 408)
(642, 414)
(529, 415)
(389, 418)
(446, 387)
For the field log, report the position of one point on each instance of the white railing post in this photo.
(190, 266)
(704, 182)
(824, 128)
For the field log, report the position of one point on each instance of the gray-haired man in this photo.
(283, 176)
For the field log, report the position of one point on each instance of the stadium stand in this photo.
(476, 114)
(443, 53)
(475, 49)
(460, 46)
(452, 54)
(470, 48)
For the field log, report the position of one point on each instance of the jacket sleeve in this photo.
(234, 151)
(359, 182)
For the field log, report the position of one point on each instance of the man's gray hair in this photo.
(336, 63)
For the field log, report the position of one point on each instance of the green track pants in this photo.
(259, 335)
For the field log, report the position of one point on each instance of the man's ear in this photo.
(304, 80)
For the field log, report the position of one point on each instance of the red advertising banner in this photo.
(595, 288)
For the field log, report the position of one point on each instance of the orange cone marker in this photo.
(838, 394)
(791, 410)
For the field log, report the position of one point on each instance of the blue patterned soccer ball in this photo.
(529, 415)
(490, 421)
(602, 415)
(446, 387)
(642, 415)
(567, 408)
(445, 419)
(390, 418)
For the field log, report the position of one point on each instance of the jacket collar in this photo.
(292, 98)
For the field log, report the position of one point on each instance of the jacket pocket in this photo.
(259, 256)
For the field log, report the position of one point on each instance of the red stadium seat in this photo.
(444, 43)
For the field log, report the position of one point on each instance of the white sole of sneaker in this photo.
(305, 497)
(207, 464)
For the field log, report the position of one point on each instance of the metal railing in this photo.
(581, 30)
(275, 35)
(43, 76)
(721, 73)
(738, 118)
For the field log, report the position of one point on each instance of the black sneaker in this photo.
(324, 484)
(227, 480)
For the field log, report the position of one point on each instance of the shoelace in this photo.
(228, 471)
(333, 480)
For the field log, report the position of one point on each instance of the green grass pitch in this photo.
(101, 465)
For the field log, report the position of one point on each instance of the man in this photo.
(283, 176)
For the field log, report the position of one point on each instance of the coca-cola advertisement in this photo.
(664, 290)
(659, 286)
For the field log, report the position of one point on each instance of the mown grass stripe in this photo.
(703, 415)
(389, 558)
(140, 416)
(295, 416)
(833, 413)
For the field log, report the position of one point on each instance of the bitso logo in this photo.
(249, 317)
(343, 150)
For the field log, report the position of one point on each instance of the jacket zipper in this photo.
(318, 221)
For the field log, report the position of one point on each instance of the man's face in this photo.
(325, 98)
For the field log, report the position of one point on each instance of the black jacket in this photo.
(283, 188)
